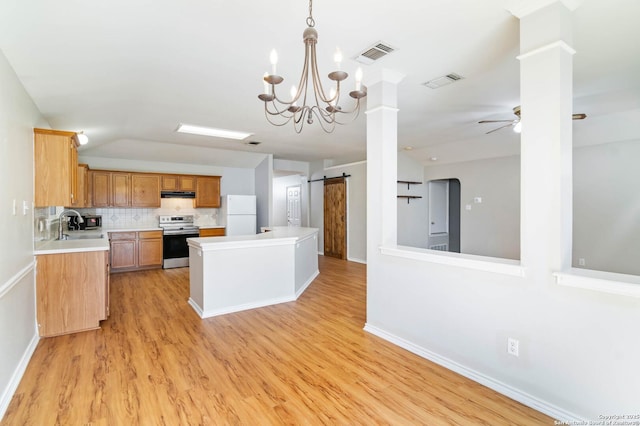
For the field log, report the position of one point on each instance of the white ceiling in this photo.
(127, 72)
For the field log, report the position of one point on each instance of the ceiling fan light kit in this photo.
(517, 122)
(325, 108)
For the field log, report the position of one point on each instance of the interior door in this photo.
(294, 215)
(335, 218)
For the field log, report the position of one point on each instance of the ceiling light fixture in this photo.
(82, 138)
(325, 108)
(211, 131)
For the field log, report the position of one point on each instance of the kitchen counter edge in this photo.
(71, 246)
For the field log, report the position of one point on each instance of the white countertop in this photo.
(132, 229)
(276, 236)
(210, 226)
(71, 246)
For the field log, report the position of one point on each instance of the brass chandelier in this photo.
(325, 108)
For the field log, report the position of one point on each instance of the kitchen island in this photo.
(231, 274)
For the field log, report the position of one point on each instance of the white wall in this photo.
(606, 231)
(413, 218)
(264, 192)
(579, 349)
(606, 215)
(356, 206)
(490, 228)
(18, 334)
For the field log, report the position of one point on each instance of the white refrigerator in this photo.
(238, 214)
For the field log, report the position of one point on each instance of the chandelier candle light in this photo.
(325, 107)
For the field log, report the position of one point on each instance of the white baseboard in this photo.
(17, 375)
(243, 307)
(498, 386)
(354, 259)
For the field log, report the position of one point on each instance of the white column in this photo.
(382, 159)
(546, 96)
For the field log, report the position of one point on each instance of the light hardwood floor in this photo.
(154, 361)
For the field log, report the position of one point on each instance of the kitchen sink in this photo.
(81, 236)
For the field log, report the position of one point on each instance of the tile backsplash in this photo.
(46, 218)
(115, 217)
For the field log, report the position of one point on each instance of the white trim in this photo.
(604, 282)
(497, 385)
(307, 284)
(6, 287)
(353, 259)
(522, 8)
(340, 166)
(469, 261)
(382, 107)
(560, 43)
(10, 390)
(243, 307)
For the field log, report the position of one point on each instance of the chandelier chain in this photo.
(310, 21)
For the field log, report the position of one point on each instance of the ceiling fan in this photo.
(516, 121)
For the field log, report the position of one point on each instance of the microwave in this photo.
(90, 222)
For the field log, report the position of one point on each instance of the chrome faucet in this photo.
(60, 228)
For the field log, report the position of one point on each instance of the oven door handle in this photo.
(185, 234)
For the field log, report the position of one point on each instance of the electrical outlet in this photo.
(513, 346)
(581, 262)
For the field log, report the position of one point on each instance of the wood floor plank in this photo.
(154, 361)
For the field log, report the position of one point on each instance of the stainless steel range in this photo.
(175, 231)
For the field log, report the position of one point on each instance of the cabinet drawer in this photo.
(212, 232)
(144, 235)
(122, 235)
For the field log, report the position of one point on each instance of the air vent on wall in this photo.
(443, 81)
(375, 52)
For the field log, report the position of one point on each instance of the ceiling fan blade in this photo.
(512, 123)
(495, 121)
(579, 116)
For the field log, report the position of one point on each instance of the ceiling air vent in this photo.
(375, 52)
(443, 81)
(254, 143)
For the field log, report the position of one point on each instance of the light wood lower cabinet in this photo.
(135, 250)
(212, 232)
(72, 291)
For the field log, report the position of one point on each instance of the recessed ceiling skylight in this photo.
(211, 131)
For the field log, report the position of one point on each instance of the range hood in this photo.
(177, 194)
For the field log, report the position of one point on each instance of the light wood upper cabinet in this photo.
(82, 198)
(120, 189)
(72, 291)
(207, 191)
(178, 183)
(132, 189)
(145, 190)
(100, 188)
(55, 163)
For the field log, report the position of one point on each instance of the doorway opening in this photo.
(444, 215)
